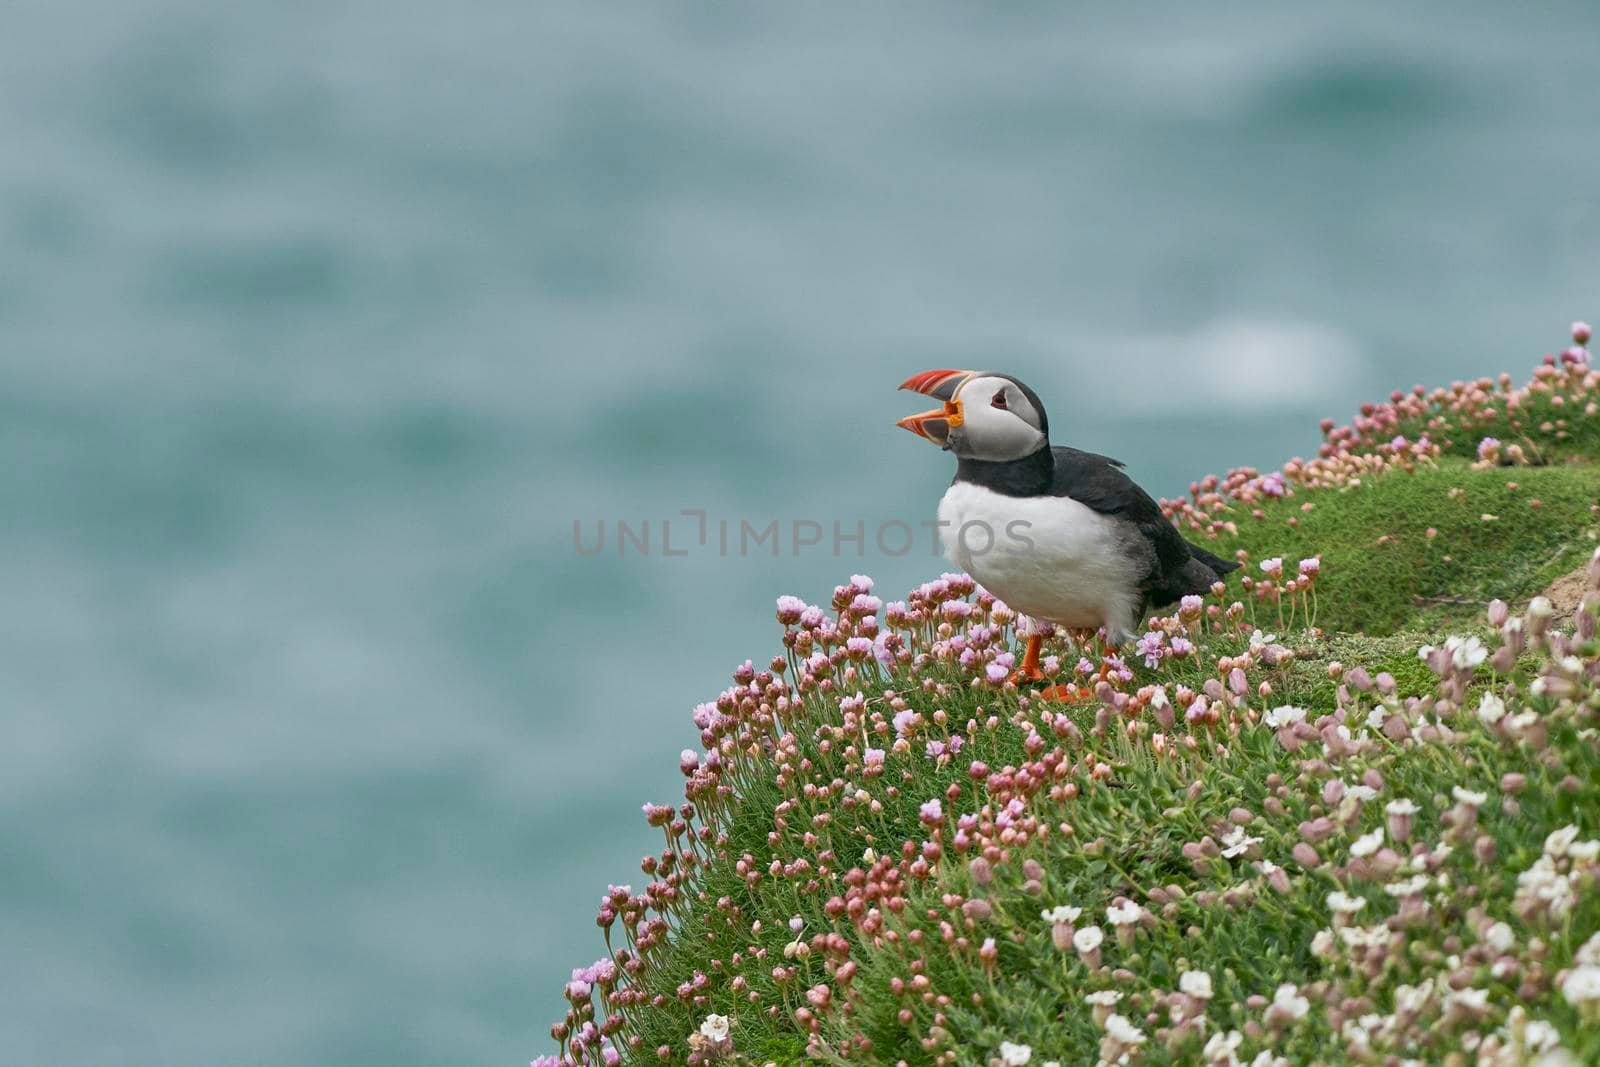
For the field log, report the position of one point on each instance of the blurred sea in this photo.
(321, 323)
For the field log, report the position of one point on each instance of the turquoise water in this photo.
(320, 324)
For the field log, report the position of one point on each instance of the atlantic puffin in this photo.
(1061, 535)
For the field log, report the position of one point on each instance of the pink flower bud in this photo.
(1483, 850)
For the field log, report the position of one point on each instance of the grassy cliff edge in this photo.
(1346, 809)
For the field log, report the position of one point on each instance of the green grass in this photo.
(1384, 570)
(792, 790)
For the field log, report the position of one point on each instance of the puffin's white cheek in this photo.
(998, 435)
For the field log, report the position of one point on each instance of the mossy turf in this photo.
(1420, 550)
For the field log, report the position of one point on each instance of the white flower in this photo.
(715, 1028)
(1284, 715)
(1102, 998)
(1367, 844)
(1411, 999)
(1088, 938)
(1582, 984)
(1403, 806)
(1560, 840)
(1467, 796)
(1408, 888)
(1222, 1046)
(1585, 851)
(1465, 652)
(1375, 936)
(1473, 1000)
(1123, 914)
(1288, 999)
(1261, 640)
(1540, 1036)
(1545, 887)
(1061, 913)
(1361, 791)
(1588, 952)
(1236, 842)
(1123, 1031)
(1491, 709)
(1343, 903)
(1196, 984)
(1015, 1055)
(1375, 718)
(1500, 937)
(1322, 943)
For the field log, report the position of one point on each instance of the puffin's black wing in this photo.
(1175, 567)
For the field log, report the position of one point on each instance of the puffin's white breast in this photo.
(1049, 557)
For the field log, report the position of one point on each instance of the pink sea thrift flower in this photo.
(1150, 647)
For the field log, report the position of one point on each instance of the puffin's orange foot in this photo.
(1061, 694)
(1026, 677)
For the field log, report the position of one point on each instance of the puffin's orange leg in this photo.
(1107, 649)
(1088, 642)
(1030, 672)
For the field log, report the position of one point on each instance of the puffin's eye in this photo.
(999, 400)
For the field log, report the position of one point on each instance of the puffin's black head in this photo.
(986, 416)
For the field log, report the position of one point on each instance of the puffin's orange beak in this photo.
(936, 425)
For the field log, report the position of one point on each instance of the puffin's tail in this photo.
(1216, 563)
